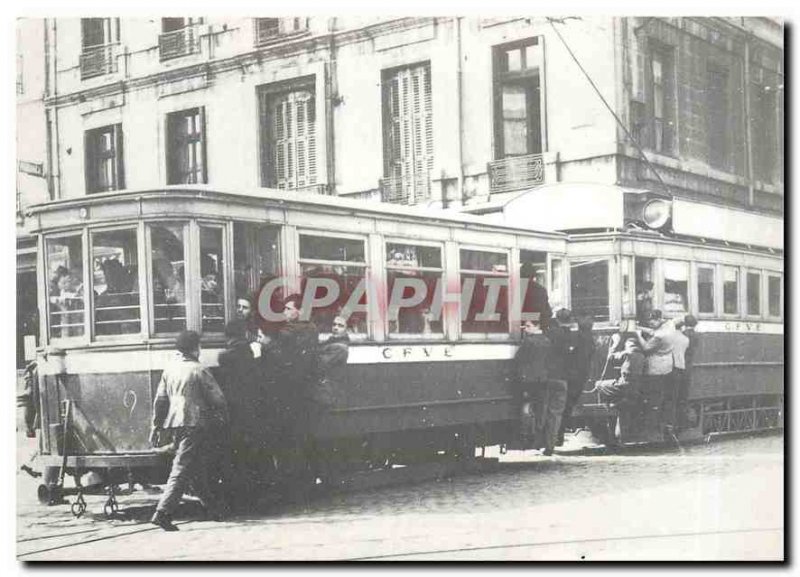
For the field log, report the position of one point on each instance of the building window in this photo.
(168, 274)
(705, 289)
(212, 279)
(414, 289)
(99, 38)
(65, 292)
(753, 293)
(407, 134)
(718, 118)
(105, 169)
(269, 29)
(589, 288)
(484, 292)
(179, 37)
(774, 295)
(115, 282)
(327, 261)
(764, 118)
(662, 99)
(288, 123)
(186, 149)
(730, 291)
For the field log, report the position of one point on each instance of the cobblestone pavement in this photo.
(723, 500)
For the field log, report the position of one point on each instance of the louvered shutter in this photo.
(409, 137)
(293, 139)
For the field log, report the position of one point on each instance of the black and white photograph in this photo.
(364, 286)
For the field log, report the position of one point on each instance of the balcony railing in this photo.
(268, 30)
(98, 60)
(311, 189)
(179, 42)
(515, 173)
(406, 190)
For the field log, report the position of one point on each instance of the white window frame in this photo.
(366, 265)
(767, 274)
(136, 227)
(610, 280)
(196, 284)
(499, 336)
(83, 233)
(746, 309)
(739, 294)
(662, 279)
(696, 289)
(187, 271)
(386, 295)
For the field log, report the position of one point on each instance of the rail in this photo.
(515, 173)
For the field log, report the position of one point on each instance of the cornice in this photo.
(291, 47)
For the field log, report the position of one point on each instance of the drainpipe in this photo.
(57, 175)
(459, 97)
(747, 124)
(333, 100)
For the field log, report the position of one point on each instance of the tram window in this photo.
(556, 283)
(212, 280)
(418, 270)
(705, 289)
(676, 287)
(589, 288)
(115, 282)
(256, 256)
(65, 287)
(533, 280)
(643, 270)
(753, 293)
(486, 308)
(626, 264)
(774, 295)
(169, 281)
(730, 291)
(341, 260)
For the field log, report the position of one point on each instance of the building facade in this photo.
(457, 112)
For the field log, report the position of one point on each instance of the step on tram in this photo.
(121, 273)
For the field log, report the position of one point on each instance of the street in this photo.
(717, 501)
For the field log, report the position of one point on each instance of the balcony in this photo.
(98, 60)
(179, 43)
(310, 189)
(406, 190)
(268, 30)
(515, 173)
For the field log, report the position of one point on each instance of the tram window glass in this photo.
(416, 269)
(341, 260)
(643, 270)
(730, 291)
(533, 280)
(169, 280)
(705, 289)
(676, 287)
(589, 288)
(556, 284)
(753, 293)
(115, 282)
(212, 280)
(626, 264)
(256, 256)
(65, 287)
(774, 295)
(485, 309)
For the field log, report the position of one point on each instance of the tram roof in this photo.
(299, 199)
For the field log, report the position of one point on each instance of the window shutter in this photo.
(202, 142)
(119, 157)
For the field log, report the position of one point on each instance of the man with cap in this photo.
(189, 404)
(553, 398)
(683, 365)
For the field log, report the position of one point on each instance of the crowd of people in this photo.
(646, 377)
(257, 414)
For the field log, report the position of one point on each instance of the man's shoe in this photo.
(163, 521)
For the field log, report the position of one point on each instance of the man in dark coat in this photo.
(578, 369)
(240, 380)
(536, 299)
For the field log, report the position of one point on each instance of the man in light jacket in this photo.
(660, 363)
(189, 404)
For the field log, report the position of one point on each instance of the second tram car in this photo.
(122, 273)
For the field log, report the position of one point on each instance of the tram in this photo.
(121, 273)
